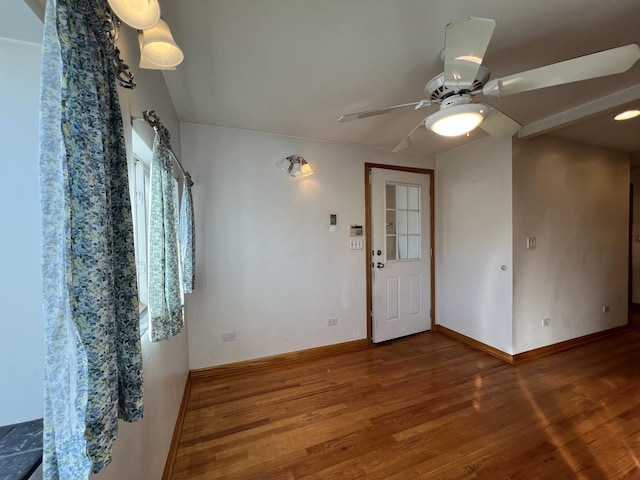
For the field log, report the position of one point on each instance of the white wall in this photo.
(474, 240)
(22, 338)
(574, 199)
(267, 266)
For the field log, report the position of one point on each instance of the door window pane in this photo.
(414, 246)
(391, 248)
(403, 253)
(390, 191)
(391, 222)
(401, 197)
(403, 218)
(414, 198)
(414, 223)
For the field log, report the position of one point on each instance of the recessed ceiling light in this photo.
(627, 115)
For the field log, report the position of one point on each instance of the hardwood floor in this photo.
(423, 407)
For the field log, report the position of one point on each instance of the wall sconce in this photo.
(296, 166)
(140, 14)
(158, 49)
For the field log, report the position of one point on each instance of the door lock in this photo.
(380, 265)
(378, 252)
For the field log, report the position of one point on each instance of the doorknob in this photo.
(380, 265)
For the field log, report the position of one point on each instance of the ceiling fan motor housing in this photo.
(438, 90)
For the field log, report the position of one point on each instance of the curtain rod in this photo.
(152, 119)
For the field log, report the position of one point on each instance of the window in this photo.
(403, 220)
(140, 211)
(140, 192)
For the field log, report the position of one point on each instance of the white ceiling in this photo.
(18, 22)
(293, 67)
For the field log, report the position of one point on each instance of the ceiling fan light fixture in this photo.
(456, 120)
(627, 115)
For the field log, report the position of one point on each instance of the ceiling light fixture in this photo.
(455, 120)
(159, 48)
(296, 166)
(140, 14)
(627, 115)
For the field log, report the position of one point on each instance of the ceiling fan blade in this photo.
(465, 44)
(499, 125)
(408, 140)
(380, 111)
(607, 62)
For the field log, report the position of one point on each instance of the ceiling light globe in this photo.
(139, 14)
(456, 120)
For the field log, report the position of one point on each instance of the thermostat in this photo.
(355, 231)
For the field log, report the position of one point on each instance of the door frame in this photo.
(368, 237)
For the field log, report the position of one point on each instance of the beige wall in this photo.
(268, 267)
(474, 241)
(574, 199)
(635, 229)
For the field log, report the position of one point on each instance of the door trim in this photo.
(368, 235)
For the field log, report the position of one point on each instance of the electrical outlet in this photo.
(606, 309)
(332, 322)
(546, 322)
(229, 337)
(355, 244)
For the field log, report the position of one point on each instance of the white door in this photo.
(401, 260)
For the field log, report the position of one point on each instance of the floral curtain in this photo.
(93, 361)
(166, 299)
(187, 238)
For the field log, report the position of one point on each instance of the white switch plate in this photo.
(356, 244)
(531, 243)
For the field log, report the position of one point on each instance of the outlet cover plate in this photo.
(229, 337)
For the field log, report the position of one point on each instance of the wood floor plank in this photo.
(422, 407)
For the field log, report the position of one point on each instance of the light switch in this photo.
(531, 243)
(356, 244)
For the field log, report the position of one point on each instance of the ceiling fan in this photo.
(464, 77)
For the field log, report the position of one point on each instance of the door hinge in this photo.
(431, 252)
(431, 313)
